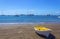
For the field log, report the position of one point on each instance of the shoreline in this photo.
(33, 23)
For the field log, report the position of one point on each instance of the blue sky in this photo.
(38, 7)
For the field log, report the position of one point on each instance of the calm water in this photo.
(34, 19)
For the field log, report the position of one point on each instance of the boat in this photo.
(42, 30)
(58, 16)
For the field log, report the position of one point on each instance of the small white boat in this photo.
(42, 30)
(58, 16)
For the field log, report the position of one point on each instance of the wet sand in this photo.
(26, 31)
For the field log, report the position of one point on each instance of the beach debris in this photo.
(20, 31)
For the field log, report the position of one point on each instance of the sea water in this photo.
(28, 19)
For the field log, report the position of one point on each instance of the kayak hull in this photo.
(44, 33)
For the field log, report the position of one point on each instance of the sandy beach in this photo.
(26, 31)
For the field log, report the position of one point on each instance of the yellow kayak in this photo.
(42, 30)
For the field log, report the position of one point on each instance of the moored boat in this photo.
(42, 30)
